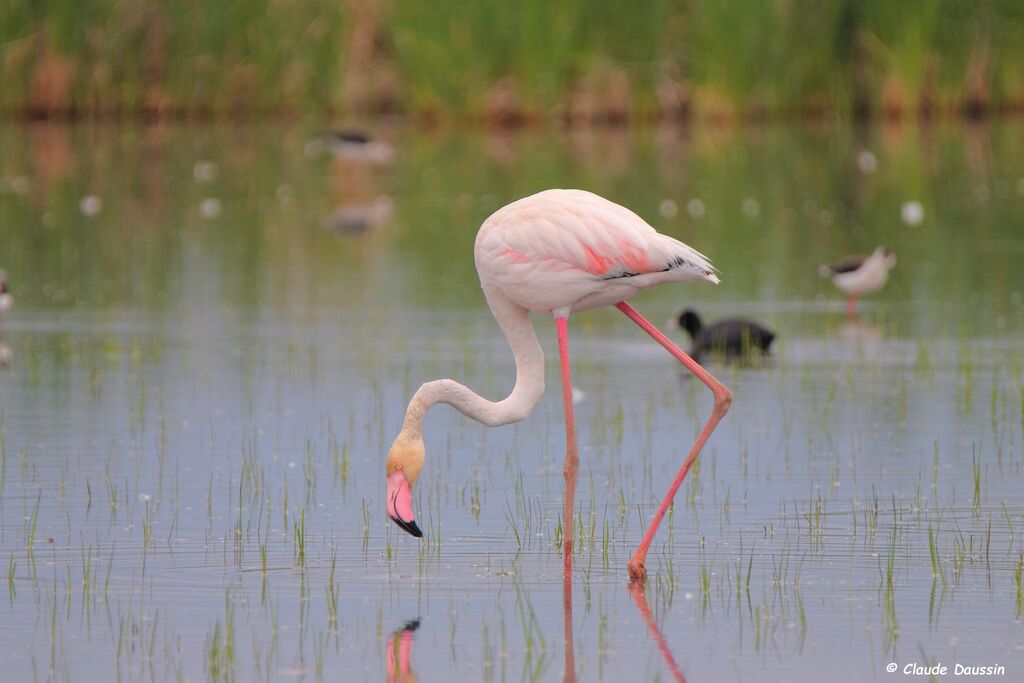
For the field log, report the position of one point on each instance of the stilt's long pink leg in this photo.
(851, 307)
(723, 399)
(572, 458)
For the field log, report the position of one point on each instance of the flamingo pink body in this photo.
(570, 249)
(556, 252)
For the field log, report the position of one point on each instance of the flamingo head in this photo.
(405, 460)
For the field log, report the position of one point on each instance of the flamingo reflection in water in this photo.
(398, 649)
(398, 654)
(636, 590)
(640, 598)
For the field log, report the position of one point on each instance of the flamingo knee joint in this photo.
(723, 398)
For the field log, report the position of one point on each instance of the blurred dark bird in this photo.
(357, 146)
(354, 219)
(6, 301)
(6, 298)
(860, 275)
(731, 337)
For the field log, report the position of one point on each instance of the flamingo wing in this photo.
(573, 245)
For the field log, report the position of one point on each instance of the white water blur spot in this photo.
(210, 207)
(695, 207)
(91, 205)
(20, 185)
(204, 171)
(867, 162)
(668, 208)
(912, 212)
(751, 207)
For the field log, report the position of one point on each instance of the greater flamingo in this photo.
(556, 252)
(860, 275)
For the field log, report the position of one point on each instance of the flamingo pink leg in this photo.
(572, 458)
(851, 307)
(723, 399)
(572, 465)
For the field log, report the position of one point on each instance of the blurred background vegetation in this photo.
(507, 63)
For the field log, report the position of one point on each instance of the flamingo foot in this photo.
(637, 571)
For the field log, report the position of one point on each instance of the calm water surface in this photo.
(216, 331)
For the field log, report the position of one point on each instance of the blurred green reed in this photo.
(191, 56)
(597, 59)
(451, 53)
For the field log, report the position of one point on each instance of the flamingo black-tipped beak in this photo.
(409, 527)
(399, 504)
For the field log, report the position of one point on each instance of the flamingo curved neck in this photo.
(514, 321)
